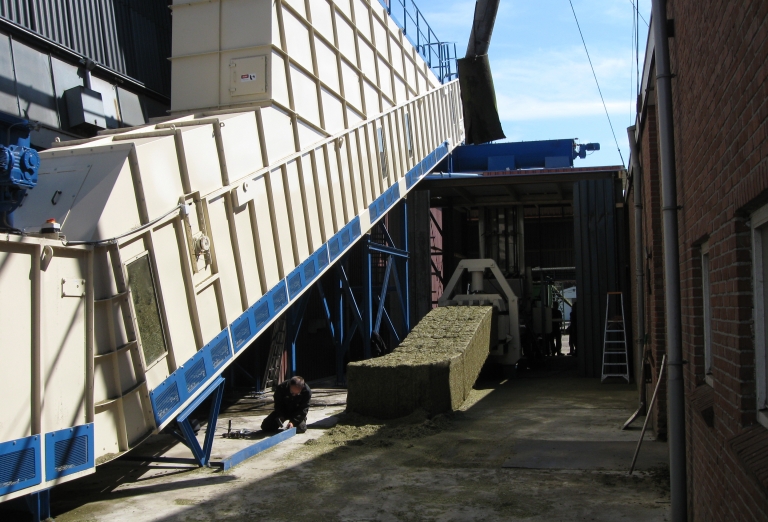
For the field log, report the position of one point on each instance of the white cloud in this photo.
(548, 84)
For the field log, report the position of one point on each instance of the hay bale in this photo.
(434, 368)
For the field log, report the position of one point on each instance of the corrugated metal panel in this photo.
(597, 266)
(118, 34)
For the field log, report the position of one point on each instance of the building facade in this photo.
(118, 49)
(718, 52)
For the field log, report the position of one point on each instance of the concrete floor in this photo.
(545, 446)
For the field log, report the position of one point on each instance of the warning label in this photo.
(247, 77)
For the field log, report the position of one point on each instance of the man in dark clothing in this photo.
(291, 404)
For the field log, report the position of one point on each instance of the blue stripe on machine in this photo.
(20, 464)
(68, 451)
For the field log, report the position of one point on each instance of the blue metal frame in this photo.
(254, 449)
(39, 504)
(202, 455)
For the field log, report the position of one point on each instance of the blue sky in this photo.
(544, 85)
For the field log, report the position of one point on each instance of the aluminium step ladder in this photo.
(615, 350)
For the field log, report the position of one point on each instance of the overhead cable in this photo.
(598, 83)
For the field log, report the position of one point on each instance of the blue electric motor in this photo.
(18, 173)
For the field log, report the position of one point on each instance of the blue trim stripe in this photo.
(68, 451)
(196, 372)
(20, 464)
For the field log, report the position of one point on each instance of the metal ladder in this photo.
(615, 351)
(276, 349)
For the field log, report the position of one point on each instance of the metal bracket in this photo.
(202, 455)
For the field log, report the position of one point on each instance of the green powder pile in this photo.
(434, 368)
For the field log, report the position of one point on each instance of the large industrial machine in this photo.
(145, 260)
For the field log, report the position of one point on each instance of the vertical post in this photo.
(405, 285)
(367, 311)
(675, 390)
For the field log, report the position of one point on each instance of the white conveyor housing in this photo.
(295, 126)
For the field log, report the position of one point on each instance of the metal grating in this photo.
(322, 258)
(241, 334)
(167, 401)
(16, 467)
(279, 299)
(309, 271)
(220, 352)
(294, 284)
(262, 315)
(70, 453)
(195, 375)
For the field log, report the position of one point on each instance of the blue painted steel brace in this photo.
(39, 504)
(202, 455)
(295, 319)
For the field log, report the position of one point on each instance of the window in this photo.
(760, 276)
(707, 312)
(146, 308)
(382, 151)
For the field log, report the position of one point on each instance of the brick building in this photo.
(719, 59)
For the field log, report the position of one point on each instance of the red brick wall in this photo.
(653, 266)
(719, 55)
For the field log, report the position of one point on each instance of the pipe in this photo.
(639, 276)
(675, 391)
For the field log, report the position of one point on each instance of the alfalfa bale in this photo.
(434, 368)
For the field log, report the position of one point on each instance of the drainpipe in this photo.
(675, 391)
(639, 284)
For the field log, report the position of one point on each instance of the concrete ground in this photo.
(544, 446)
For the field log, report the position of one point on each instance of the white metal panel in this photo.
(351, 85)
(240, 139)
(15, 347)
(170, 272)
(201, 20)
(345, 35)
(333, 112)
(225, 258)
(312, 211)
(265, 238)
(280, 225)
(335, 180)
(248, 255)
(324, 195)
(368, 60)
(278, 134)
(327, 68)
(201, 159)
(380, 36)
(106, 425)
(295, 202)
(362, 18)
(62, 345)
(278, 81)
(298, 43)
(245, 23)
(195, 82)
(308, 136)
(305, 103)
(371, 98)
(321, 18)
(159, 172)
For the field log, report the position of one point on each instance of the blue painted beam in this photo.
(246, 453)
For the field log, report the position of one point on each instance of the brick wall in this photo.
(653, 266)
(719, 54)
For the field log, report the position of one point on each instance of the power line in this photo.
(637, 8)
(598, 83)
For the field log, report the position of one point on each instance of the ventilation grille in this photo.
(70, 453)
(280, 299)
(16, 467)
(195, 375)
(167, 401)
(309, 271)
(220, 352)
(242, 334)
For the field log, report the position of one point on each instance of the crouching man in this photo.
(291, 404)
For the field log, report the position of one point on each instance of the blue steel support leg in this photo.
(296, 318)
(202, 455)
(406, 291)
(367, 310)
(39, 504)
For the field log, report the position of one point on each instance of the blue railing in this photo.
(440, 56)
